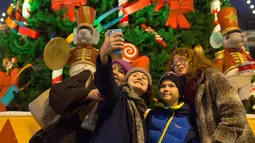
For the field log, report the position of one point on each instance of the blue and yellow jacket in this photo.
(170, 125)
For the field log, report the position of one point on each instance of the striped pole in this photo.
(57, 76)
(158, 38)
(215, 8)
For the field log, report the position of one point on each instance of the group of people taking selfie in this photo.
(196, 103)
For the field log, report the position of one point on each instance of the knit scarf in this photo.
(137, 108)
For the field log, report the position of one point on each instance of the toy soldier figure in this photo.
(233, 61)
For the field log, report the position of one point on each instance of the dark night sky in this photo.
(4, 5)
(243, 8)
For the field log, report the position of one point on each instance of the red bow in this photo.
(69, 4)
(178, 8)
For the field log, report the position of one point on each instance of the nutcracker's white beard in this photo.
(76, 69)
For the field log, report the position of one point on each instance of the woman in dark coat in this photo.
(121, 114)
(71, 100)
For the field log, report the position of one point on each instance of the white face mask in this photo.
(26, 9)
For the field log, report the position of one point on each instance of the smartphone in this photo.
(112, 31)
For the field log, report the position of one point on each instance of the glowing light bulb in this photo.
(3, 14)
(252, 6)
(248, 1)
(253, 11)
(2, 20)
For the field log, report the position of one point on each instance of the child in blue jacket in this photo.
(168, 121)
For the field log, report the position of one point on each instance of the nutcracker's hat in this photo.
(86, 16)
(228, 20)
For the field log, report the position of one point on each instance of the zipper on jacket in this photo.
(165, 129)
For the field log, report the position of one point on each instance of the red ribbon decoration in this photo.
(28, 32)
(133, 7)
(130, 8)
(178, 8)
(69, 4)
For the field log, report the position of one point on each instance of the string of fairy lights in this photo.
(3, 17)
(251, 6)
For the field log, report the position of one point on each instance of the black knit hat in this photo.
(175, 79)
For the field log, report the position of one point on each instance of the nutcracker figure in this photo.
(82, 59)
(57, 52)
(84, 56)
(233, 61)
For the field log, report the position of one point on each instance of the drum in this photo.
(17, 127)
(247, 68)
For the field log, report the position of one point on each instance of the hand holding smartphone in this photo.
(118, 51)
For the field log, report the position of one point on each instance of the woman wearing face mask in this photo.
(220, 115)
(121, 115)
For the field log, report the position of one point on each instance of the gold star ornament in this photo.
(231, 17)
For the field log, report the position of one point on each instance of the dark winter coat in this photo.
(67, 99)
(176, 122)
(114, 124)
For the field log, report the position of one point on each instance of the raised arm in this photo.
(104, 75)
(105, 81)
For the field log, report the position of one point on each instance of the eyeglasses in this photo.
(181, 60)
